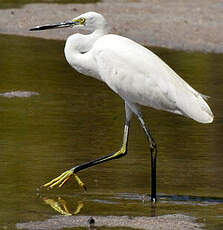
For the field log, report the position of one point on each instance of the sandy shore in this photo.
(167, 222)
(187, 25)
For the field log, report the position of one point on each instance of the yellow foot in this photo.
(63, 178)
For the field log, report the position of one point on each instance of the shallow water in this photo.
(20, 3)
(72, 119)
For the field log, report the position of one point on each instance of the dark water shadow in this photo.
(75, 204)
(192, 199)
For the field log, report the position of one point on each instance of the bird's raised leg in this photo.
(64, 177)
(153, 148)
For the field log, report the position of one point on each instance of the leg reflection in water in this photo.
(60, 206)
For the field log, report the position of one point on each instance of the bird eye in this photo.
(82, 20)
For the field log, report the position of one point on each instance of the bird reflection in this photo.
(60, 205)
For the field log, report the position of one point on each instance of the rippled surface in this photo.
(20, 3)
(72, 119)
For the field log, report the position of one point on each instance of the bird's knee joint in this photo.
(122, 152)
(153, 146)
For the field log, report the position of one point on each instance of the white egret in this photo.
(136, 74)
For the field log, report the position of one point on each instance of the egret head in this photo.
(89, 21)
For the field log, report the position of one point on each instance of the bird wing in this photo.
(141, 77)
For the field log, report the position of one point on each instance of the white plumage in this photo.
(132, 71)
(136, 74)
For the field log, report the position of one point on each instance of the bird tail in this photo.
(206, 115)
(198, 109)
(205, 97)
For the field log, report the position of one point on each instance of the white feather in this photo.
(132, 71)
(141, 77)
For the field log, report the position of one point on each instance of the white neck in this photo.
(77, 51)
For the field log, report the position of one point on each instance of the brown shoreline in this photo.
(185, 25)
(167, 222)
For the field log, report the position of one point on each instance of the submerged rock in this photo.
(20, 94)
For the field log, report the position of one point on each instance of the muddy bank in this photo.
(167, 222)
(187, 25)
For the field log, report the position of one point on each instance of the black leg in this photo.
(122, 152)
(64, 177)
(152, 145)
(153, 152)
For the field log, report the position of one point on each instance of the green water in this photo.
(20, 3)
(76, 119)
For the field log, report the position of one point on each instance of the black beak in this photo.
(54, 26)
